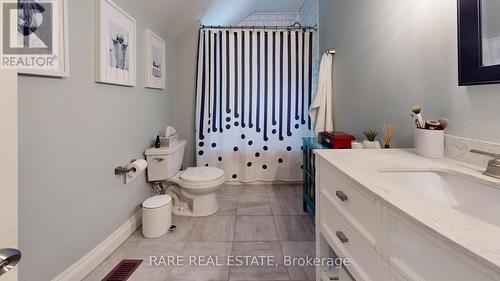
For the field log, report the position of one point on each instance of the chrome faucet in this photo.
(493, 169)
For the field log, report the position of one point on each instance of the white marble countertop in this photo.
(479, 239)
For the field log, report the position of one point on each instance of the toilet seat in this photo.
(201, 174)
(199, 178)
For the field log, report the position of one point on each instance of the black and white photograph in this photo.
(155, 61)
(42, 28)
(157, 64)
(33, 30)
(118, 51)
(115, 39)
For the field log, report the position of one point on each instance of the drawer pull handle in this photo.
(341, 195)
(342, 237)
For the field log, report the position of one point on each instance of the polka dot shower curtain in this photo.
(253, 95)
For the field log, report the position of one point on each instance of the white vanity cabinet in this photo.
(361, 209)
(346, 242)
(350, 221)
(421, 255)
(383, 243)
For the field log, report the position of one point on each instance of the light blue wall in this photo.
(185, 100)
(394, 53)
(73, 133)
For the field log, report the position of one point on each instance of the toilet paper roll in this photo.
(135, 168)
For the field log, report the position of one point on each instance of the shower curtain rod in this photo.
(292, 27)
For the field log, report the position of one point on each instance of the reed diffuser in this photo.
(388, 131)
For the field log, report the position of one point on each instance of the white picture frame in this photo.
(115, 47)
(62, 30)
(155, 61)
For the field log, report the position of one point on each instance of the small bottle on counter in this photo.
(157, 142)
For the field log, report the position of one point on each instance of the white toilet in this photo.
(194, 187)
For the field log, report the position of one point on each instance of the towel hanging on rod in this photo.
(321, 109)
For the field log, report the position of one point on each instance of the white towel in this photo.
(321, 110)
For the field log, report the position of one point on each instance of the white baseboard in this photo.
(96, 256)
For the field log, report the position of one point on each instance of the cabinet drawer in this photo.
(420, 255)
(361, 209)
(366, 264)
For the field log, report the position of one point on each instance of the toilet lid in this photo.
(201, 174)
(156, 201)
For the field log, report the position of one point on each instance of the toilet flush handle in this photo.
(159, 159)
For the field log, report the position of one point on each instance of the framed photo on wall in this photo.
(57, 17)
(115, 44)
(155, 61)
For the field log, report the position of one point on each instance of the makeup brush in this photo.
(414, 119)
(432, 125)
(417, 109)
(388, 131)
(443, 122)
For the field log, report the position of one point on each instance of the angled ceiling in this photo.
(178, 16)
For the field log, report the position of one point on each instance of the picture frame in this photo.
(62, 30)
(115, 47)
(471, 68)
(155, 61)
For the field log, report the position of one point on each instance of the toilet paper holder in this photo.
(123, 170)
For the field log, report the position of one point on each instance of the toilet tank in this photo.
(164, 162)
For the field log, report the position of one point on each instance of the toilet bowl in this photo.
(193, 189)
(200, 184)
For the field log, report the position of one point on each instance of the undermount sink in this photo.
(461, 192)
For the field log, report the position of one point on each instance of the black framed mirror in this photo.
(478, 42)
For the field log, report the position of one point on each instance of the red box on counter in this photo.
(336, 139)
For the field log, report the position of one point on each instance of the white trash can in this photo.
(156, 216)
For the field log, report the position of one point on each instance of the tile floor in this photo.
(253, 220)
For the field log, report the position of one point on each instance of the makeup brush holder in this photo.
(429, 143)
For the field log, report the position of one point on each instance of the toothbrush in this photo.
(419, 120)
